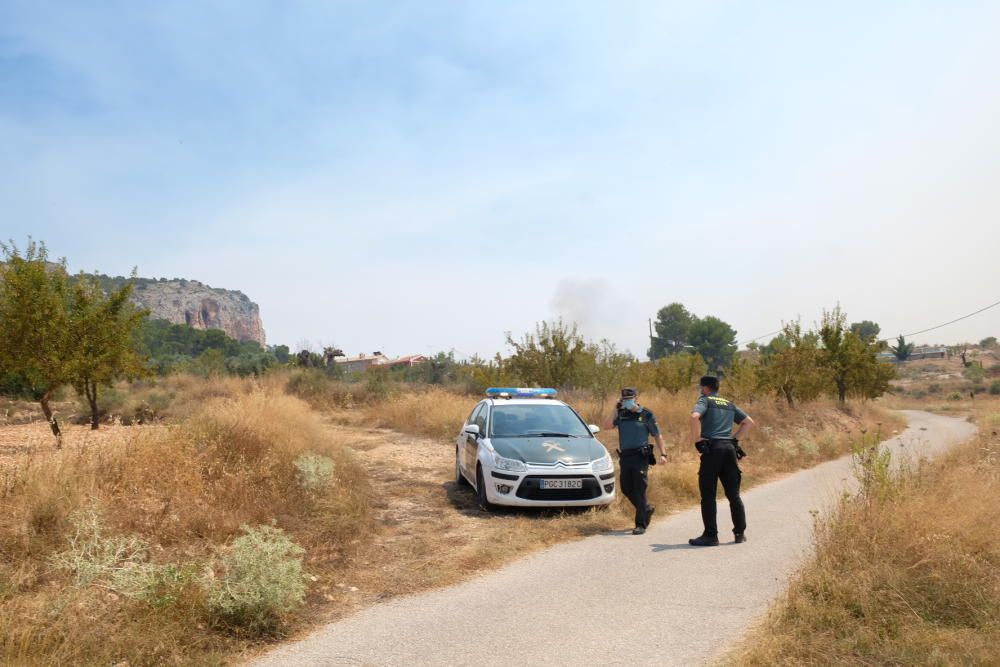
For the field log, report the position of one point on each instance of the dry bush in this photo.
(434, 412)
(903, 578)
(130, 585)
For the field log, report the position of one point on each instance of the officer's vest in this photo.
(719, 403)
(716, 404)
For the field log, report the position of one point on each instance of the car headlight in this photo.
(603, 464)
(508, 464)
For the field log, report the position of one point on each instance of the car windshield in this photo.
(541, 419)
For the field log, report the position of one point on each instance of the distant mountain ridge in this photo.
(194, 303)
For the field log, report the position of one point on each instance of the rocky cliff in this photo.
(198, 305)
(202, 307)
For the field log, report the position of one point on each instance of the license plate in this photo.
(560, 484)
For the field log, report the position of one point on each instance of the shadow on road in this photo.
(463, 499)
(671, 547)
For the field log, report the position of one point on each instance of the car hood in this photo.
(549, 450)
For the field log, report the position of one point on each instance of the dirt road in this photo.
(612, 599)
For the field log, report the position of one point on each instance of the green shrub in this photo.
(974, 373)
(378, 384)
(954, 396)
(119, 563)
(933, 388)
(995, 388)
(262, 580)
(315, 471)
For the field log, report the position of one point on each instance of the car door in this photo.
(470, 445)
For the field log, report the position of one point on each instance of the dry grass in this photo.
(786, 440)
(183, 491)
(910, 577)
(231, 453)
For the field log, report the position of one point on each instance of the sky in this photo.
(420, 176)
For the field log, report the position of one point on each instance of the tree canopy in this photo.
(105, 339)
(866, 330)
(678, 330)
(673, 322)
(902, 350)
(35, 338)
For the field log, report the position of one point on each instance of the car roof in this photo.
(524, 401)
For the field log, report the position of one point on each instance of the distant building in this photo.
(929, 353)
(362, 362)
(408, 361)
(917, 354)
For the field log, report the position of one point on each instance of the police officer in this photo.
(712, 431)
(635, 424)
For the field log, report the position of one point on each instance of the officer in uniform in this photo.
(635, 424)
(712, 431)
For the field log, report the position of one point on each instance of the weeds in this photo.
(93, 557)
(262, 581)
(104, 546)
(315, 471)
(906, 577)
(872, 465)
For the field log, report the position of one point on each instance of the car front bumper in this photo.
(524, 489)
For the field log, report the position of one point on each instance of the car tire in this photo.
(459, 477)
(481, 499)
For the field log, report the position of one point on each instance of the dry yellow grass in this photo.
(786, 440)
(185, 490)
(393, 523)
(911, 577)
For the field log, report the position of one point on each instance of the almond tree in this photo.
(852, 362)
(104, 339)
(35, 338)
(793, 367)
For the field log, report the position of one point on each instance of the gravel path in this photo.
(612, 599)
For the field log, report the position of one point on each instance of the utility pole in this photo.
(650, 338)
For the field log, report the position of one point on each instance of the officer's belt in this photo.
(636, 451)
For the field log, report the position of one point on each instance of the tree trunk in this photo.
(787, 391)
(90, 389)
(842, 391)
(53, 422)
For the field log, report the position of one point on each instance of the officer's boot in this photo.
(740, 537)
(705, 540)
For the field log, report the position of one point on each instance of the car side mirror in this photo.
(472, 429)
(594, 429)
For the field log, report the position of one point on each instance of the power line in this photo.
(915, 333)
(773, 333)
(957, 319)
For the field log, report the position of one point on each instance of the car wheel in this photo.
(481, 499)
(459, 477)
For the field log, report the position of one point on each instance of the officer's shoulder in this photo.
(647, 412)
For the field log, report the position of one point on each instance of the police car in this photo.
(522, 447)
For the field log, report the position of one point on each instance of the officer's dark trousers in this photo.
(635, 480)
(719, 463)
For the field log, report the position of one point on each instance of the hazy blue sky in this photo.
(418, 176)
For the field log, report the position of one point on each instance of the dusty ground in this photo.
(429, 531)
(18, 441)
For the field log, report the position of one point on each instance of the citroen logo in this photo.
(552, 447)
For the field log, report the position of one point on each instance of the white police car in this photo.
(522, 447)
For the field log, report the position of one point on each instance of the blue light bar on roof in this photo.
(520, 392)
